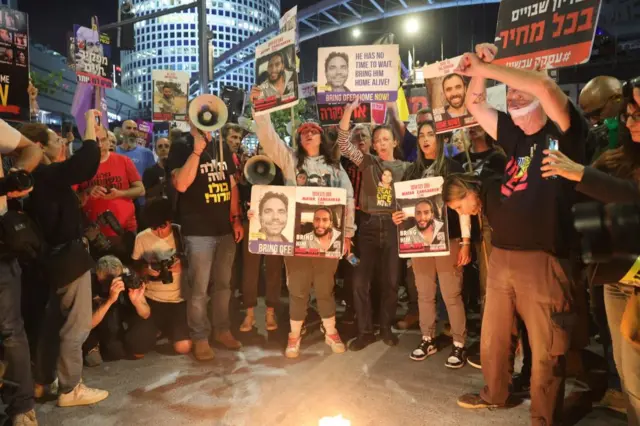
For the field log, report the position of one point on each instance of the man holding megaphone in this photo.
(202, 171)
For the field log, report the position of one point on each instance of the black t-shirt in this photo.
(483, 163)
(535, 213)
(204, 209)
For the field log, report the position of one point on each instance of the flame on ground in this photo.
(334, 421)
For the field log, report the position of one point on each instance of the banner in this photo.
(447, 92)
(170, 95)
(417, 98)
(545, 33)
(320, 216)
(271, 224)
(307, 91)
(145, 133)
(14, 65)
(276, 74)
(90, 57)
(332, 114)
(369, 73)
(425, 232)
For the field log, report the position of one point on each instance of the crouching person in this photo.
(157, 253)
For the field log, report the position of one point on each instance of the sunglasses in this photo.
(598, 111)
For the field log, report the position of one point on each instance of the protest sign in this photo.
(417, 98)
(447, 92)
(369, 73)
(170, 95)
(332, 114)
(542, 34)
(425, 231)
(378, 112)
(145, 133)
(320, 221)
(307, 91)
(276, 74)
(14, 65)
(90, 57)
(272, 220)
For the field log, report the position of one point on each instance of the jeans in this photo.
(210, 262)
(599, 314)
(66, 326)
(14, 339)
(109, 333)
(378, 239)
(626, 356)
(304, 273)
(251, 267)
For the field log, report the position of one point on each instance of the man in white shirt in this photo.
(19, 399)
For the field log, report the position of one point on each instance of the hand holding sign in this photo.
(470, 65)
(486, 52)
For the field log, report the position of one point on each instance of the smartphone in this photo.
(98, 119)
(553, 145)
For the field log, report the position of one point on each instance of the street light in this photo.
(412, 26)
(356, 32)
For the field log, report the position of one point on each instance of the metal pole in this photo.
(149, 16)
(204, 47)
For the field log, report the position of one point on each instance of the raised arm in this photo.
(347, 149)
(476, 99)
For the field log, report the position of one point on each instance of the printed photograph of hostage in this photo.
(455, 91)
(279, 79)
(319, 232)
(271, 220)
(424, 225)
(272, 214)
(428, 229)
(336, 68)
(448, 95)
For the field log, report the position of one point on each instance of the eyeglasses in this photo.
(624, 117)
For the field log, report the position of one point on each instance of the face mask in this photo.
(521, 112)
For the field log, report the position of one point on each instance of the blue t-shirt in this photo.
(142, 158)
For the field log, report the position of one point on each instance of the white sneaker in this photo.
(293, 347)
(25, 419)
(81, 395)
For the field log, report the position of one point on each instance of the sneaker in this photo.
(293, 347)
(202, 350)
(93, 358)
(613, 400)
(425, 349)
(388, 338)
(271, 320)
(41, 391)
(474, 401)
(520, 385)
(248, 323)
(227, 340)
(457, 358)
(409, 320)
(25, 419)
(335, 342)
(81, 395)
(474, 361)
(361, 342)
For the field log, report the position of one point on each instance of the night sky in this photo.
(458, 27)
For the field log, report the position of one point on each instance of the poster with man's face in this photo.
(170, 95)
(271, 225)
(369, 73)
(14, 65)
(424, 232)
(90, 56)
(320, 222)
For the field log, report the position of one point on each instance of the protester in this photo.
(313, 156)
(142, 157)
(529, 265)
(19, 400)
(211, 218)
(54, 206)
(154, 178)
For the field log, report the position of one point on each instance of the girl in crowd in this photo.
(313, 158)
(431, 162)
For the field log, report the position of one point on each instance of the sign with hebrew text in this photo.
(543, 34)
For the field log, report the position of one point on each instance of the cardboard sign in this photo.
(546, 34)
(271, 226)
(170, 95)
(276, 74)
(369, 73)
(90, 56)
(425, 232)
(332, 114)
(14, 65)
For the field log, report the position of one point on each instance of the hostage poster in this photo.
(170, 95)
(14, 65)
(543, 34)
(276, 74)
(369, 73)
(90, 57)
(272, 219)
(447, 91)
(424, 233)
(320, 214)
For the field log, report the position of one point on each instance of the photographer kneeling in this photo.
(157, 253)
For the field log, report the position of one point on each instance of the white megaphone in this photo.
(208, 113)
(259, 170)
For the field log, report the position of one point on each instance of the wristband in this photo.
(465, 243)
(197, 155)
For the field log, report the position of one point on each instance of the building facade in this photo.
(171, 41)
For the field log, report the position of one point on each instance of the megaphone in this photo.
(208, 113)
(260, 170)
(247, 124)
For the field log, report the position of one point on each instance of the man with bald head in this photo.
(142, 157)
(154, 178)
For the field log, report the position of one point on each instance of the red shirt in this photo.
(117, 172)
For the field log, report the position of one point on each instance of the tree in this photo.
(282, 118)
(49, 84)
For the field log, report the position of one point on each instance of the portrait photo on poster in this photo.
(369, 73)
(276, 74)
(448, 95)
(170, 95)
(272, 220)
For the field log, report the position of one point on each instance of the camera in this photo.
(166, 276)
(15, 181)
(130, 279)
(109, 219)
(608, 231)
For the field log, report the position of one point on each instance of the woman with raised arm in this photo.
(431, 162)
(313, 159)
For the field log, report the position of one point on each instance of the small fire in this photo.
(334, 421)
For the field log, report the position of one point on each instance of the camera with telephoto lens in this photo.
(163, 267)
(15, 181)
(608, 231)
(130, 279)
(109, 219)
